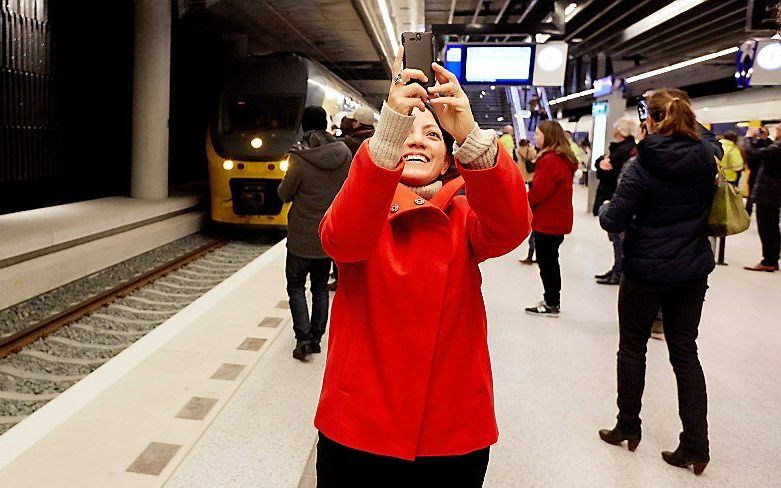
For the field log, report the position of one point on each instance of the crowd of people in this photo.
(410, 207)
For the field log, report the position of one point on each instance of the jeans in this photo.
(618, 253)
(769, 232)
(681, 305)
(547, 247)
(296, 270)
(339, 466)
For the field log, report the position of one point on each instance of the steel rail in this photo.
(28, 335)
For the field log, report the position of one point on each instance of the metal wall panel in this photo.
(30, 141)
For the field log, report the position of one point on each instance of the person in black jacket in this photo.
(317, 171)
(608, 171)
(762, 139)
(766, 196)
(662, 204)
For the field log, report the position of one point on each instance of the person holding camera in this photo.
(662, 204)
(407, 394)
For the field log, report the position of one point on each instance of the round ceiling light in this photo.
(769, 57)
(550, 58)
(256, 142)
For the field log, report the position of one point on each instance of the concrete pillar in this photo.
(151, 90)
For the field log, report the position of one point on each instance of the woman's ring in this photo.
(455, 91)
(398, 79)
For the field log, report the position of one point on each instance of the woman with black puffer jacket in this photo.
(662, 204)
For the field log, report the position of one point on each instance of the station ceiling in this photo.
(351, 37)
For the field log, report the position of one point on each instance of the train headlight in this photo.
(256, 142)
(227, 165)
(284, 164)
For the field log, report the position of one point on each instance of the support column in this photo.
(151, 96)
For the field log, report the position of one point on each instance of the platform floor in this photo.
(554, 383)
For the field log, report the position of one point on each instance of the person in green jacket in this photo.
(507, 140)
(733, 161)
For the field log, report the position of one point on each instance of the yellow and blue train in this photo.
(257, 122)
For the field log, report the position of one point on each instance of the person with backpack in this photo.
(526, 155)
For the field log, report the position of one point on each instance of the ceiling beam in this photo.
(502, 11)
(452, 10)
(729, 8)
(613, 21)
(599, 11)
(659, 17)
(483, 29)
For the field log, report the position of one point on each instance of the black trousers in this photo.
(547, 248)
(308, 329)
(769, 232)
(681, 306)
(339, 466)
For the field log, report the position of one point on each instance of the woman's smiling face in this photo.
(425, 155)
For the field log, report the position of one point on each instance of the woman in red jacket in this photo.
(407, 393)
(551, 201)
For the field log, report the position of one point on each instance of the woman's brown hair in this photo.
(556, 140)
(673, 114)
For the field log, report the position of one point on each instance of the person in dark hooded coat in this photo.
(317, 171)
(662, 204)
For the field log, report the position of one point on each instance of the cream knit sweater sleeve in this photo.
(387, 144)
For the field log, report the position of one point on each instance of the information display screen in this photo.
(500, 65)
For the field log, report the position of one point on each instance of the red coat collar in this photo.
(405, 200)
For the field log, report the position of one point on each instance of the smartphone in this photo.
(642, 109)
(419, 54)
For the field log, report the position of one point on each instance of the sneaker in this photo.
(604, 276)
(527, 261)
(315, 347)
(301, 352)
(545, 310)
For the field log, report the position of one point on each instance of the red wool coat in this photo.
(408, 372)
(550, 196)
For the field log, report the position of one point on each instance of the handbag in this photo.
(728, 215)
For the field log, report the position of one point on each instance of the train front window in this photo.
(260, 114)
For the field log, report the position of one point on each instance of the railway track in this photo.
(43, 359)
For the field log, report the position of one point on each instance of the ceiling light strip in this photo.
(683, 64)
(656, 72)
(388, 25)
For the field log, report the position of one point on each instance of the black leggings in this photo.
(547, 247)
(339, 466)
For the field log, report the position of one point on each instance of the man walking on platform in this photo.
(316, 173)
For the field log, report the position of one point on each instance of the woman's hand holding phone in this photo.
(451, 104)
(402, 98)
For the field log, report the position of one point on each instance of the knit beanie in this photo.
(314, 118)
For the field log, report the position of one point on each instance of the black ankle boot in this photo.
(616, 437)
(682, 458)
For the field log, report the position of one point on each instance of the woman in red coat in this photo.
(551, 201)
(407, 394)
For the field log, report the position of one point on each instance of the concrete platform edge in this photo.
(25, 434)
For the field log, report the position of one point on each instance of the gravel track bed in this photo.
(77, 350)
(68, 351)
(97, 337)
(53, 302)
(23, 385)
(99, 323)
